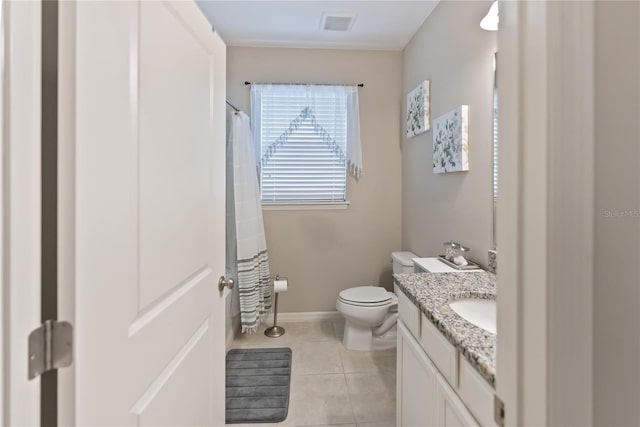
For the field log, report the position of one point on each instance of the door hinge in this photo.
(498, 411)
(50, 347)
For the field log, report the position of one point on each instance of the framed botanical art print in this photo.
(418, 114)
(451, 141)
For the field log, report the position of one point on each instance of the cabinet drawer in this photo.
(476, 394)
(408, 312)
(440, 351)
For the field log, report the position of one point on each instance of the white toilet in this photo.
(371, 311)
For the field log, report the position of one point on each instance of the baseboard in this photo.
(313, 316)
(310, 316)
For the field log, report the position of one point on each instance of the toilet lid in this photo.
(366, 295)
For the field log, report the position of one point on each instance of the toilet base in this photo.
(361, 338)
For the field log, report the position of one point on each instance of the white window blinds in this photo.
(301, 133)
(495, 147)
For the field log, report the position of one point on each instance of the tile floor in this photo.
(331, 385)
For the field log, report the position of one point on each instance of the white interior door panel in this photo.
(150, 215)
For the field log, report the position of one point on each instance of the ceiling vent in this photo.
(332, 21)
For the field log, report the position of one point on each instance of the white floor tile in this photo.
(372, 396)
(258, 340)
(331, 386)
(338, 328)
(380, 424)
(319, 400)
(320, 357)
(309, 331)
(367, 361)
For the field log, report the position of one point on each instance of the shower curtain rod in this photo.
(322, 84)
(236, 109)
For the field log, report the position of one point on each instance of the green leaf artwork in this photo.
(418, 115)
(451, 141)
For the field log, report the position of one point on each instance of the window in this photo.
(495, 145)
(301, 135)
(495, 148)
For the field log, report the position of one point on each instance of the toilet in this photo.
(371, 311)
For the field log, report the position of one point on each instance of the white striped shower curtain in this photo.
(254, 285)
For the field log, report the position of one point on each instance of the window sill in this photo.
(305, 206)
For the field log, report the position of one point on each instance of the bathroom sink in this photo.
(480, 312)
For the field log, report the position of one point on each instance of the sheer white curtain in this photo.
(333, 109)
(354, 148)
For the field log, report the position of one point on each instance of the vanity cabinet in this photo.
(416, 394)
(424, 398)
(453, 412)
(435, 385)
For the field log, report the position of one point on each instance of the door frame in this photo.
(546, 212)
(49, 196)
(66, 197)
(21, 207)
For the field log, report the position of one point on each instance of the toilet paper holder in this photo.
(275, 331)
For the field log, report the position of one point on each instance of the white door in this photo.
(150, 220)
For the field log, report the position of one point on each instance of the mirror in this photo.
(495, 145)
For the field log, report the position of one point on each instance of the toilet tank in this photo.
(402, 262)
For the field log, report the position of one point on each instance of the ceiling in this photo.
(384, 25)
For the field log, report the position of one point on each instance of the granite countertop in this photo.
(432, 292)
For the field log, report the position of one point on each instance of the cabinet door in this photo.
(452, 412)
(416, 383)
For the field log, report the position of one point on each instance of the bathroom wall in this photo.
(324, 251)
(452, 51)
(617, 214)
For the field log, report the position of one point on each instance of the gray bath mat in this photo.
(258, 385)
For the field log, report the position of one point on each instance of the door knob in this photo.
(225, 282)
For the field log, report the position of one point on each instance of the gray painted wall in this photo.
(617, 238)
(325, 251)
(452, 51)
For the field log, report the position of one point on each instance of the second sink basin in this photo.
(480, 312)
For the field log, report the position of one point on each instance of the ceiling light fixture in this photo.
(491, 19)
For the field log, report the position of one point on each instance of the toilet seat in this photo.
(365, 304)
(366, 296)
